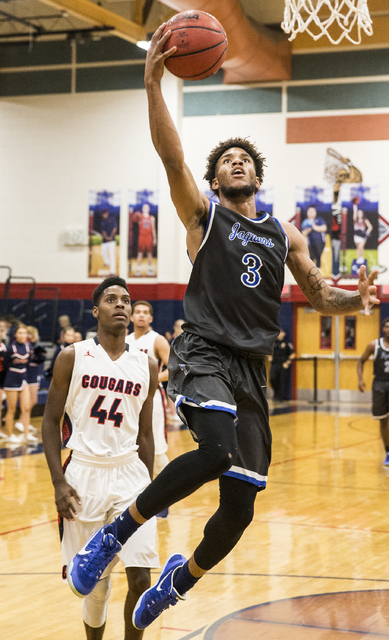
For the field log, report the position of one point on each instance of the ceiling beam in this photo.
(92, 13)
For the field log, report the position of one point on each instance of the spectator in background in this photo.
(283, 354)
(16, 387)
(3, 351)
(314, 230)
(77, 336)
(68, 339)
(34, 369)
(63, 323)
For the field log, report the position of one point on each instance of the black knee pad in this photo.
(215, 433)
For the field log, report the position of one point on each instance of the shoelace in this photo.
(93, 564)
(164, 601)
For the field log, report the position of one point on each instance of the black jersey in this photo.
(381, 360)
(234, 292)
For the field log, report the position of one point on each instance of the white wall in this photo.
(54, 149)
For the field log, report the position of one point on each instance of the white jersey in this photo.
(145, 343)
(104, 400)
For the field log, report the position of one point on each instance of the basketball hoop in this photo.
(345, 19)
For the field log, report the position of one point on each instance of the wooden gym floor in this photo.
(313, 564)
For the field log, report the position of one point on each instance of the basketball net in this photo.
(346, 18)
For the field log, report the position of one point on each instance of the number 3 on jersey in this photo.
(253, 263)
(101, 414)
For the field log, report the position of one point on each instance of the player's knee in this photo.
(220, 457)
(138, 579)
(95, 605)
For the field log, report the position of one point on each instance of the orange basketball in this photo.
(201, 45)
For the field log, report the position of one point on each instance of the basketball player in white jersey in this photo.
(158, 348)
(105, 389)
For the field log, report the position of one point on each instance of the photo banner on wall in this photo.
(359, 229)
(104, 239)
(143, 233)
(313, 218)
(263, 199)
(342, 235)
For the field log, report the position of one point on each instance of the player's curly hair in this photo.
(222, 147)
(107, 282)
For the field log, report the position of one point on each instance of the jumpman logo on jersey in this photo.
(88, 354)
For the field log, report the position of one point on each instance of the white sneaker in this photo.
(31, 439)
(137, 272)
(19, 426)
(150, 272)
(14, 439)
(32, 429)
(3, 435)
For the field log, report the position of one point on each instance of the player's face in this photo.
(141, 317)
(235, 171)
(21, 335)
(385, 330)
(114, 308)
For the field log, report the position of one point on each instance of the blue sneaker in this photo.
(86, 568)
(159, 597)
(386, 461)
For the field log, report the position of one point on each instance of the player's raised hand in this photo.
(155, 59)
(367, 289)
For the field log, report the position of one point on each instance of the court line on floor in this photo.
(30, 526)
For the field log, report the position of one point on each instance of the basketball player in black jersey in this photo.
(217, 374)
(379, 349)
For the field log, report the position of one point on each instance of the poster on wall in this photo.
(104, 239)
(263, 199)
(342, 235)
(313, 218)
(358, 204)
(143, 233)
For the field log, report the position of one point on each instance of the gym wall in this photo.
(74, 118)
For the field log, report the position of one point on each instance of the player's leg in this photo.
(112, 257)
(12, 398)
(380, 410)
(384, 429)
(94, 609)
(25, 403)
(138, 579)
(104, 253)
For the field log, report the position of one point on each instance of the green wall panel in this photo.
(340, 64)
(29, 83)
(212, 103)
(363, 95)
(110, 78)
(109, 49)
(40, 53)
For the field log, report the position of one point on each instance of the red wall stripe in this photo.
(161, 291)
(74, 291)
(338, 128)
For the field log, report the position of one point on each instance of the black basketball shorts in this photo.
(213, 377)
(380, 395)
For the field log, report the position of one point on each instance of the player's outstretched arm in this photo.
(145, 438)
(324, 298)
(192, 205)
(66, 498)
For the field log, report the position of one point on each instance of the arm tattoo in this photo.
(341, 300)
(315, 280)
